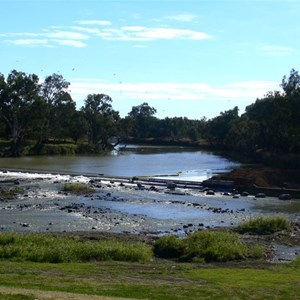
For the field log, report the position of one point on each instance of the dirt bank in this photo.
(263, 177)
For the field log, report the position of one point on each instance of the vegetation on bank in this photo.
(78, 188)
(85, 265)
(157, 280)
(207, 246)
(53, 249)
(6, 194)
(42, 118)
(265, 225)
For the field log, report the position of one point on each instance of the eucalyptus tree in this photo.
(60, 107)
(102, 120)
(20, 106)
(143, 120)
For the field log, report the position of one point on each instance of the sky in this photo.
(186, 58)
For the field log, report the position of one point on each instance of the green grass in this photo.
(206, 246)
(77, 265)
(11, 193)
(78, 188)
(265, 225)
(156, 280)
(53, 249)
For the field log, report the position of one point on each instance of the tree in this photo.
(102, 120)
(142, 116)
(291, 86)
(19, 103)
(59, 107)
(219, 126)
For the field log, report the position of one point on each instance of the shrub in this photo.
(51, 249)
(78, 188)
(265, 225)
(206, 246)
(215, 246)
(169, 247)
(11, 193)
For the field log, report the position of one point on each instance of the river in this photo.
(186, 163)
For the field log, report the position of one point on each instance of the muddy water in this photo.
(133, 161)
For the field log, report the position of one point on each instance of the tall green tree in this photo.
(60, 107)
(19, 105)
(143, 120)
(102, 120)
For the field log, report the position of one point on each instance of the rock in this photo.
(210, 192)
(171, 185)
(244, 194)
(285, 197)
(260, 195)
(16, 182)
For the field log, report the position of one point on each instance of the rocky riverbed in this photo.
(123, 205)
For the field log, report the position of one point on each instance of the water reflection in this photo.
(132, 161)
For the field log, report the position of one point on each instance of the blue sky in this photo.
(185, 58)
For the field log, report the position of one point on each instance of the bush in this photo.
(51, 249)
(215, 246)
(78, 188)
(265, 225)
(206, 246)
(169, 247)
(11, 193)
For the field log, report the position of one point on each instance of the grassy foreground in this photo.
(154, 280)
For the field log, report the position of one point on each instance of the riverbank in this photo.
(127, 207)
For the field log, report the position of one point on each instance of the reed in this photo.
(265, 225)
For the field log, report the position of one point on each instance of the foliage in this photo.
(156, 280)
(51, 249)
(45, 112)
(206, 246)
(101, 119)
(170, 246)
(78, 188)
(265, 225)
(11, 193)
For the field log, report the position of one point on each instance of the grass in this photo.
(156, 280)
(48, 263)
(206, 246)
(265, 225)
(78, 188)
(53, 249)
(11, 193)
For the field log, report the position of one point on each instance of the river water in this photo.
(186, 163)
(115, 207)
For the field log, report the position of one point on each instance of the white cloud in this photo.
(94, 22)
(65, 35)
(276, 50)
(182, 17)
(140, 33)
(47, 38)
(72, 43)
(30, 42)
(241, 91)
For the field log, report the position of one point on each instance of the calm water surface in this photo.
(133, 161)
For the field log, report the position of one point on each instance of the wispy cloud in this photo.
(94, 22)
(242, 91)
(182, 17)
(141, 33)
(275, 50)
(76, 36)
(47, 38)
(29, 42)
(72, 43)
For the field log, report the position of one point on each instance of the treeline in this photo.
(42, 113)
